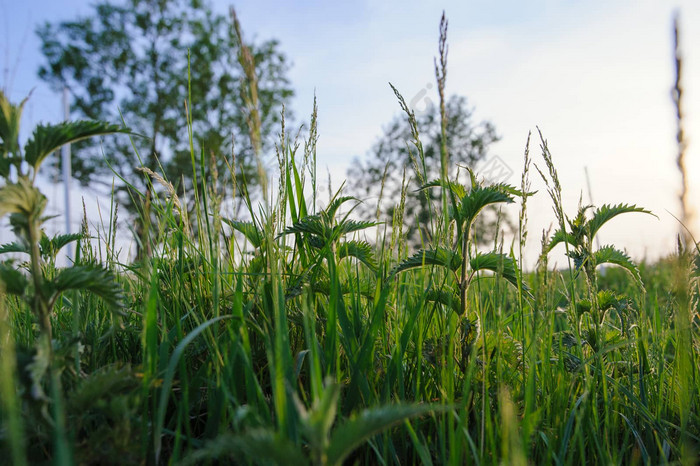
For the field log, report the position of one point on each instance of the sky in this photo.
(594, 77)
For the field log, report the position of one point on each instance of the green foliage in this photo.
(47, 139)
(14, 281)
(468, 142)
(153, 57)
(292, 354)
(26, 204)
(93, 278)
(440, 256)
(582, 231)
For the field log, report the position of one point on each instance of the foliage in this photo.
(140, 61)
(378, 175)
(287, 339)
(43, 285)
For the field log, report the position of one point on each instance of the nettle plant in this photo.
(37, 281)
(578, 235)
(461, 259)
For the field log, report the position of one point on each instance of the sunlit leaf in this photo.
(22, 198)
(611, 255)
(607, 212)
(501, 264)
(349, 226)
(48, 138)
(333, 207)
(456, 189)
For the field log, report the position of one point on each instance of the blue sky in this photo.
(595, 76)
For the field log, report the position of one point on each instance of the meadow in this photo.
(285, 336)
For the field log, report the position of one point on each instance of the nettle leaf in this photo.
(22, 198)
(48, 138)
(501, 264)
(611, 255)
(50, 247)
(480, 197)
(14, 281)
(349, 226)
(607, 212)
(14, 247)
(350, 435)
(93, 278)
(579, 257)
(446, 298)
(440, 256)
(456, 189)
(360, 250)
(310, 225)
(330, 211)
(248, 229)
(560, 236)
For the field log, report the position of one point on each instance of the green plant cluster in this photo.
(286, 337)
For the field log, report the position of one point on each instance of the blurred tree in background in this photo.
(130, 60)
(468, 143)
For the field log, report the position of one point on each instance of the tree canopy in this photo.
(468, 142)
(140, 60)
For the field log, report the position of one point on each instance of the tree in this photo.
(130, 60)
(467, 143)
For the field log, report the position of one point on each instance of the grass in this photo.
(284, 337)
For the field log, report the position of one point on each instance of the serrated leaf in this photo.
(560, 236)
(611, 255)
(501, 264)
(607, 212)
(335, 204)
(50, 247)
(22, 198)
(93, 278)
(456, 189)
(480, 197)
(47, 138)
(346, 438)
(349, 226)
(360, 250)
(14, 281)
(439, 256)
(579, 257)
(446, 298)
(14, 247)
(248, 229)
(312, 224)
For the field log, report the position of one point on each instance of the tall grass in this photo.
(282, 336)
